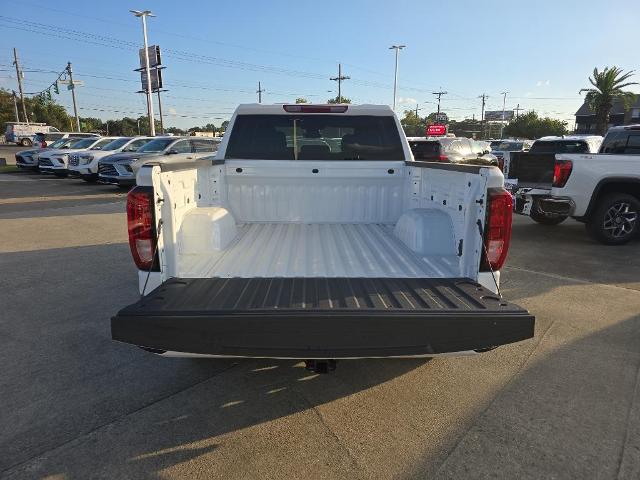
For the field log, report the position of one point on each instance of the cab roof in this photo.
(279, 109)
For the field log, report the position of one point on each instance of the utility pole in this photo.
(19, 75)
(504, 101)
(259, 92)
(484, 97)
(160, 113)
(143, 15)
(339, 79)
(417, 108)
(15, 105)
(517, 110)
(73, 95)
(138, 122)
(439, 94)
(397, 48)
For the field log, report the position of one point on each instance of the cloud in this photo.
(543, 83)
(173, 111)
(528, 94)
(407, 100)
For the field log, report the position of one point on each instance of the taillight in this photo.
(497, 229)
(561, 171)
(315, 108)
(443, 158)
(141, 226)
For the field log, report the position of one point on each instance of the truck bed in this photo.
(318, 250)
(321, 317)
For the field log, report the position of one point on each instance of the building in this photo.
(586, 119)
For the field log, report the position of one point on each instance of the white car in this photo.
(84, 164)
(56, 160)
(286, 244)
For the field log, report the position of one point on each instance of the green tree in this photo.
(223, 126)
(413, 125)
(339, 100)
(301, 100)
(530, 125)
(607, 86)
(466, 128)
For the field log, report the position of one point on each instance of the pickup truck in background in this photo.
(529, 175)
(601, 189)
(313, 234)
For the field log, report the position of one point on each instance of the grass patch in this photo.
(9, 169)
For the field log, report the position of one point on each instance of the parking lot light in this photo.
(143, 15)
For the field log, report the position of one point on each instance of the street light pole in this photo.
(143, 15)
(504, 101)
(397, 48)
(73, 95)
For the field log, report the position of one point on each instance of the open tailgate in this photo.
(533, 170)
(321, 317)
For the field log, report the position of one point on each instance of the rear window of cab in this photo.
(314, 137)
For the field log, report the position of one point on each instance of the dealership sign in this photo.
(436, 130)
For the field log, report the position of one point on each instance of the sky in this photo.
(215, 53)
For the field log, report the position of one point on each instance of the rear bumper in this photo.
(526, 198)
(321, 318)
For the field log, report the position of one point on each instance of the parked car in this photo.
(499, 148)
(530, 174)
(84, 164)
(28, 159)
(451, 149)
(43, 140)
(56, 161)
(121, 168)
(288, 245)
(22, 133)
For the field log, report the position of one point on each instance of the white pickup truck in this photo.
(313, 234)
(600, 189)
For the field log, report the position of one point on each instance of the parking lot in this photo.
(77, 405)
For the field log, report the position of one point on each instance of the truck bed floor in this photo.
(318, 250)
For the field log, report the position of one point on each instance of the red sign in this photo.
(436, 130)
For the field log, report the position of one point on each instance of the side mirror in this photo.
(173, 151)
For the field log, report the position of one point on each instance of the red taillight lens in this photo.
(315, 108)
(497, 230)
(443, 158)
(561, 171)
(141, 226)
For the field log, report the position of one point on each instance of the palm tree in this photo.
(608, 85)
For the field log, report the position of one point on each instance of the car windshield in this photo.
(315, 137)
(83, 143)
(101, 144)
(157, 145)
(115, 144)
(559, 146)
(60, 143)
(508, 147)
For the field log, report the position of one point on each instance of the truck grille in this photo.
(45, 162)
(74, 160)
(107, 169)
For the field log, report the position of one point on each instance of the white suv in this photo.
(84, 164)
(56, 161)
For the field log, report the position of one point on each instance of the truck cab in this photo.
(314, 234)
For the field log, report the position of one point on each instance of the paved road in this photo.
(76, 405)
